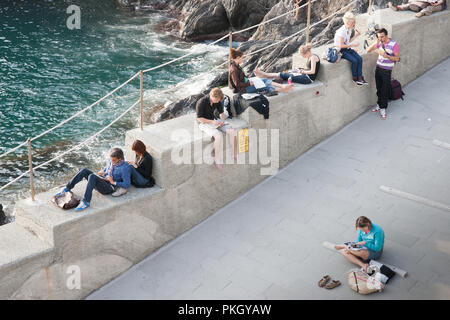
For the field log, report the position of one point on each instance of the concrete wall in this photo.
(41, 247)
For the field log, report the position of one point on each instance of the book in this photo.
(355, 247)
(249, 96)
(258, 82)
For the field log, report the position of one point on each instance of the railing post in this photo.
(141, 109)
(30, 163)
(308, 21)
(229, 57)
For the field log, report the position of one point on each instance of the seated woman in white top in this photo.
(344, 41)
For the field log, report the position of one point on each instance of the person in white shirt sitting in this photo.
(344, 42)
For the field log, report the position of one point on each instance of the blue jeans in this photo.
(267, 82)
(136, 178)
(356, 60)
(302, 79)
(94, 182)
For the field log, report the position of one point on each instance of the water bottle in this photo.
(290, 80)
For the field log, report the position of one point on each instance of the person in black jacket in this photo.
(141, 171)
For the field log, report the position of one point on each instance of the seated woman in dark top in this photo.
(241, 84)
(141, 168)
(303, 76)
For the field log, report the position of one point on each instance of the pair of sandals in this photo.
(333, 284)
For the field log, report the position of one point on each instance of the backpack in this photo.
(362, 283)
(332, 55)
(66, 201)
(226, 104)
(396, 90)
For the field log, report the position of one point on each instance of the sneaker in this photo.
(376, 109)
(390, 5)
(62, 193)
(119, 192)
(383, 113)
(83, 205)
(361, 82)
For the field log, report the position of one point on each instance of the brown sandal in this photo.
(333, 284)
(324, 280)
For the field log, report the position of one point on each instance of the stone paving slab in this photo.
(267, 244)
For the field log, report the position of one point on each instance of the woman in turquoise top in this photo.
(371, 236)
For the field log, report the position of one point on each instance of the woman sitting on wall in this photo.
(344, 41)
(241, 84)
(141, 167)
(304, 76)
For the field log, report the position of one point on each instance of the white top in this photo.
(342, 32)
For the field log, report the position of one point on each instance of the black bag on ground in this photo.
(259, 103)
(396, 90)
(66, 201)
(238, 105)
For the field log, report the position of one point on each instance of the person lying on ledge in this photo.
(371, 237)
(141, 167)
(302, 76)
(205, 117)
(115, 179)
(240, 83)
(423, 8)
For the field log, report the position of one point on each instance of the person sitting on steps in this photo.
(306, 76)
(370, 236)
(344, 41)
(240, 83)
(422, 7)
(205, 117)
(141, 167)
(114, 179)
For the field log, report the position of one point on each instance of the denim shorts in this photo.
(373, 255)
(267, 82)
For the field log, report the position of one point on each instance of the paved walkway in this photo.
(267, 244)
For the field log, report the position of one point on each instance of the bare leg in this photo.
(232, 136)
(282, 87)
(262, 74)
(298, 9)
(349, 255)
(217, 142)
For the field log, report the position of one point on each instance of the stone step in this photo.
(54, 226)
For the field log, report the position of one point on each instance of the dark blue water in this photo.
(48, 72)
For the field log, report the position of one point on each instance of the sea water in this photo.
(48, 72)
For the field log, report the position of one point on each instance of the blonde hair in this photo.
(216, 93)
(305, 48)
(348, 17)
(362, 222)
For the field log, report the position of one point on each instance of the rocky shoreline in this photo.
(196, 20)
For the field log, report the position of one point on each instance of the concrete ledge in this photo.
(116, 233)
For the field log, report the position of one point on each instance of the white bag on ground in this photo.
(362, 283)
